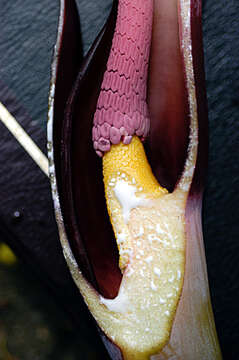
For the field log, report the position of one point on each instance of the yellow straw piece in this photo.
(24, 139)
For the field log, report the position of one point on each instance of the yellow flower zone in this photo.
(149, 228)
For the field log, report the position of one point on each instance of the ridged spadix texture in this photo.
(122, 110)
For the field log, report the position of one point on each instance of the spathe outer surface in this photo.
(69, 170)
(68, 25)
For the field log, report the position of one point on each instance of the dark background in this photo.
(32, 320)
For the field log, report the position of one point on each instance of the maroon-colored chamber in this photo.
(79, 170)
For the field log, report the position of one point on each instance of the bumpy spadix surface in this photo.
(121, 108)
(149, 227)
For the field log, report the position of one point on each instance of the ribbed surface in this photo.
(122, 109)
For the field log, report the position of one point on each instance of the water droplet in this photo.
(49, 145)
(16, 216)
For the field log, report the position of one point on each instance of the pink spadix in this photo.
(121, 108)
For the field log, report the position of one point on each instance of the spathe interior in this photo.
(82, 192)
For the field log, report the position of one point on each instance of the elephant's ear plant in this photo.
(140, 268)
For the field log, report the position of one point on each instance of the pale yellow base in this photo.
(152, 314)
(152, 254)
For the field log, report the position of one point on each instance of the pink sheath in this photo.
(122, 109)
